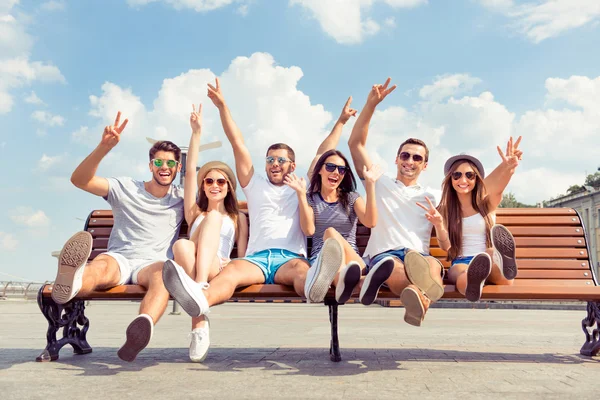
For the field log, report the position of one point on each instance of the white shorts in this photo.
(130, 268)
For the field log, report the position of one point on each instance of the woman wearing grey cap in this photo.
(214, 221)
(480, 250)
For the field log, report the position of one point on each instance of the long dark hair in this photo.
(347, 185)
(451, 211)
(231, 204)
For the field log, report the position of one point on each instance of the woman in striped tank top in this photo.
(333, 207)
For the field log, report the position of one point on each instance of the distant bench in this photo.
(552, 254)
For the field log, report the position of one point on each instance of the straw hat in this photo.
(218, 165)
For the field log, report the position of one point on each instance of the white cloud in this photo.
(29, 217)
(545, 19)
(46, 162)
(243, 10)
(390, 22)
(33, 99)
(47, 118)
(448, 85)
(53, 5)
(8, 241)
(196, 5)
(16, 68)
(348, 21)
(81, 135)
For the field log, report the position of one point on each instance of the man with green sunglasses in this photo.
(147, 218)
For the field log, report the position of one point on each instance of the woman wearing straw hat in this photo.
(215, 223)
(480, 250)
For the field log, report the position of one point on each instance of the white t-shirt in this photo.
(274, 217)
(401, 222)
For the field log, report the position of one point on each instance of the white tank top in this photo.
(474, 235)
(227, 235)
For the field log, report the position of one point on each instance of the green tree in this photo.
(593, 180)
(574, 189)
(510, 201)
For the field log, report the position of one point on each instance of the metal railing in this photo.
(20, 290)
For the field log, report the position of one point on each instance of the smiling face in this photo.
(277, 170)
(463, 184)
(332, 180)
(215, 185)
(164, 175)
(408, 167)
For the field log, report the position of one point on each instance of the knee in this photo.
(330, 232)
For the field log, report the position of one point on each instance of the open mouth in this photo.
(164, 174)
(333, 180)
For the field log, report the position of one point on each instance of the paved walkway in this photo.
(266, 351)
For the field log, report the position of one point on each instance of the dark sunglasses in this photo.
(280, 160)
(456, 175)
(220, 181)
(159, 162)
(330, 167)
(405, 156)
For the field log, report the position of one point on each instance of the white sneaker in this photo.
(187, 292)
(139, 333)
(71, 264)
(321, 274)
(349, 278)
(200, 343)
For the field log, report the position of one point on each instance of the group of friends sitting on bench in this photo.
(284, 209)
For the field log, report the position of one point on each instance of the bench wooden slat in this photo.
(539, 220)
(522, 242)
(553, 274)
(527, 263)
(532, 252)
(501, 212)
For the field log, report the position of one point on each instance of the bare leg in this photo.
(348, 255)
(102, 273)
(156, 299)
(457, 275)
(293, 273)
(496, 277)
(237, 273)
(184, 254)
(207, 243)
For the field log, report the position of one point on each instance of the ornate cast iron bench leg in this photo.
(69, 317)
(334, 347)
(592, 339)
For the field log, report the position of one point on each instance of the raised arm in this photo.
(358, 137)
(367, 212)
(332, 140)
(190, 187)
(434, 216)
(497, 181)
(84, 176)
(307, 215)
(243, 161)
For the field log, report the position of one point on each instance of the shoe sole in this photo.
(346, 286)
(414, 312)
(479, 269)
(504, 242)
(374, 280)
(139, 333)
(175, 286)
(71, 263)
(329, 265)
(419, 273)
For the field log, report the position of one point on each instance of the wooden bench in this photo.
(552, 253)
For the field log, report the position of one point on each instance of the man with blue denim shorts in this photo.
(397, 253)
(277, 245)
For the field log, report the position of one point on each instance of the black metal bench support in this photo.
(334, 347)
(71, 318)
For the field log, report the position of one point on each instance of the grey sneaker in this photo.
(504, 251)
(187, 292)
(71, 264)
(321, 274)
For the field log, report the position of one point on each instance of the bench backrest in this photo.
(551, 244)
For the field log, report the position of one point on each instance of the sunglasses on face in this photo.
(280, 160)
(220, 181)
(160, 162)
(330, 167)
(456, 175)
(405, 156)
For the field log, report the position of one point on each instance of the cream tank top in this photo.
(227, 236)
(473, 235)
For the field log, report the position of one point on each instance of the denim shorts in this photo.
(270, 260)
(462, 260)
(399, 253)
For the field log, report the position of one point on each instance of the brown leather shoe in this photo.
(416, 305)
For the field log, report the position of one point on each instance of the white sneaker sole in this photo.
(71, 264)
(327, 266)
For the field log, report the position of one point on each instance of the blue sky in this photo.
(470, 73)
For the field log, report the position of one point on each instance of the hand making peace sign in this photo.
(379, 92)
(513, 154)
(432, 214)
(347, 112)
(196, 118)
(112, 133)
(215, 94)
